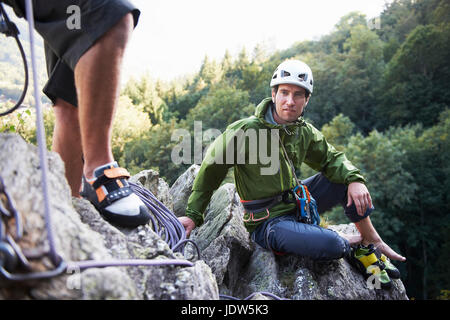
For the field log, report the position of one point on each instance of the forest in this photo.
(381, 95)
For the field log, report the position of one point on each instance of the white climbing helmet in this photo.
(293, 72)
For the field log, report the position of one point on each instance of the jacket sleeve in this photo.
(323, 157)
(213, 171)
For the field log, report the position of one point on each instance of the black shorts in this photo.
(64, 46)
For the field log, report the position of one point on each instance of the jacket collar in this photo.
(265, 106)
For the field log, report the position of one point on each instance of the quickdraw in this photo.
(306, 205)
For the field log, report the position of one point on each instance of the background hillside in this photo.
(381, 95)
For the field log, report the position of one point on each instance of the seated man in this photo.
(84, 65)
(279, 126)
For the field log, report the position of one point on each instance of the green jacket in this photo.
(303, 143)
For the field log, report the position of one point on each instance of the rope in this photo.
(55, 258)
(167, 225)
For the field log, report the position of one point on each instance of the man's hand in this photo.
(188, 224)
(357, 192)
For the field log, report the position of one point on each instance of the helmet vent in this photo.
(274, 76)
(284, 74)
(303, 76)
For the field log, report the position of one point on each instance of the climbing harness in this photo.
(306, 206)
(256, 206)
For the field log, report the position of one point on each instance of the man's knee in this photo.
(66, 114)
(334, 246)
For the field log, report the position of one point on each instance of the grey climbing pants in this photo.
(285, 234)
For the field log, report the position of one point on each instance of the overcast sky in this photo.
(173, 36)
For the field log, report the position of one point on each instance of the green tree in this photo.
(426, 217)
(361, 76)
(144, 93)
(342, 31)
(220, 107)
(338, 131)
(152, 150)
(417, 77)
(130, 123)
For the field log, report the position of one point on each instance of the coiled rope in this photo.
(166, 225)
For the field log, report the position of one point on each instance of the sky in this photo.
(173, 36)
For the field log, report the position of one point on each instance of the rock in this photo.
(301, 278)
(223, 239)
(81, 234)
(182, 189)
(150, 180)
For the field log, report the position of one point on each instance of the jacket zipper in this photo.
(282, 137)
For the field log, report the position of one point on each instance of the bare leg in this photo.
(97, 76)
(67, 142)
(370, 235)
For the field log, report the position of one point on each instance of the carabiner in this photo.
(8, 257)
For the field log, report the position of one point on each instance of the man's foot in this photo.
(366, 261)
(391, 270)
(111, 194)
(384, 248)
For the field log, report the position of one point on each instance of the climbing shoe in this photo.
(113, 197)
(366, 261)
(391, 270)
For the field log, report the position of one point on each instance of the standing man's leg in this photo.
(97, 79)
(88, 127)
(67, 142)
(84, 67)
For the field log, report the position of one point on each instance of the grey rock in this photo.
(223, 239)
(150, 180)
(81, 234)
(182, 189)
